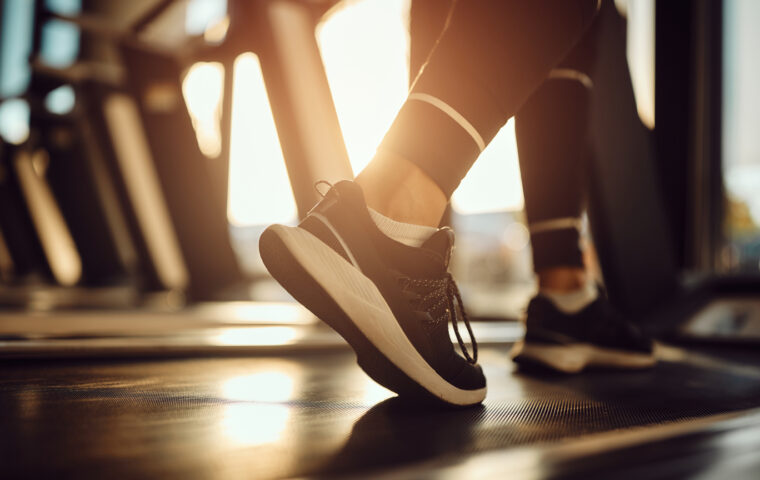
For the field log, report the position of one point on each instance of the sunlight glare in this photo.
(249, 424)
(14, 121)
(373, 392)
(260, 336)
(201, 15)
(365, 49)
(259, 188)
(202, 88)
(268, 386)
(256, 417)
(640, 52)
(493, 183)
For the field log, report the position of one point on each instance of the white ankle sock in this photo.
(407, 233)
(572, 302)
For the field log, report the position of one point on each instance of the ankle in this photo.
(400, 190)
(562, 279)
(570, 289)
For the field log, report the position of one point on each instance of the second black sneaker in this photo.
(597, 336)
(391, 302)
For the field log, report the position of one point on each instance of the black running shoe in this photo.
(597, 336)
(391, 302)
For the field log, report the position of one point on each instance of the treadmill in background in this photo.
(658, 199)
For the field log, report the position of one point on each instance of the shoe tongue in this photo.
(441, 243)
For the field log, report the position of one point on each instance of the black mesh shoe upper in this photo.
(414, 282)
(598, 324)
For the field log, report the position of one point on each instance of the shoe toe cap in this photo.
(470, 377)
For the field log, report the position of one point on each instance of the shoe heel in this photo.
(288, 272)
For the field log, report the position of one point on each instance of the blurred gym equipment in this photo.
(134, 335)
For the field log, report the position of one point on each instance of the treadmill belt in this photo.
(319, 415)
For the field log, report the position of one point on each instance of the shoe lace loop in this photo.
(320, 183)
(445, 291)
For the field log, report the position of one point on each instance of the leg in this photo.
(569, 325)
(490, 58)
(392, 300)
(415, 192)
(553, 144)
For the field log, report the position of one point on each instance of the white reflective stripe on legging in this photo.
(570, 74)
(556, 224)
(456, 116)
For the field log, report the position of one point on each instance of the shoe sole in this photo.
(575, 357)
(350, 303)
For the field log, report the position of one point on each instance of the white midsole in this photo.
(574, 357)
(360, 299)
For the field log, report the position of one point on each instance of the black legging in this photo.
(492, 62)
(554, 151)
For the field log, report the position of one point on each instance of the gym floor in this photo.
(317, 414)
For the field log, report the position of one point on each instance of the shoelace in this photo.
(445, 291)
(319, 183)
